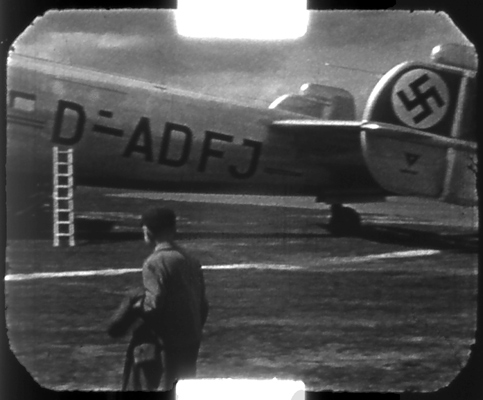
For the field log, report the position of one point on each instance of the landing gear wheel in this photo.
(344, 221)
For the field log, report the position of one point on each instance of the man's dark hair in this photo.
(159, 220)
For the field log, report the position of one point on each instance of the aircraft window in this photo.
(22, 101)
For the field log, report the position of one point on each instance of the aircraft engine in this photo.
(419, 138)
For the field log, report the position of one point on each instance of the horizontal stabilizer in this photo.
(417, 136)
(318, 125)
(323, 127)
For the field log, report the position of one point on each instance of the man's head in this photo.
(158, 224)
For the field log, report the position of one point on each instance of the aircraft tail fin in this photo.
(419, 138)
(417, 133)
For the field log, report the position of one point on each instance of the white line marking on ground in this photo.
(395, 254)
(277, 267)
(69, 274)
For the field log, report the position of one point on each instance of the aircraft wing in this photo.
(326, 129)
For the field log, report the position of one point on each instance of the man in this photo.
(172, 307)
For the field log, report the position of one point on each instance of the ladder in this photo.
(63, 197)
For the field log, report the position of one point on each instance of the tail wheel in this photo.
(344, 221)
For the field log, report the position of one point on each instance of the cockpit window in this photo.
(22, 101)
(300, 104)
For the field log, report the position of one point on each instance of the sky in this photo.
(347, 49)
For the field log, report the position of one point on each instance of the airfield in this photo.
(391, 309)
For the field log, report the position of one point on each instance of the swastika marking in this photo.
(420, 98)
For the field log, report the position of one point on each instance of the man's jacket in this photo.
(174, 300)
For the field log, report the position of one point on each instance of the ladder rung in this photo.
(69, 221)
(63, 234)
(66, 222)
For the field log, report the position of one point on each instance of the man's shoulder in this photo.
(186, 254)
(172, 253)
(162, 253)
(171, 256)
(156, 258)
(191, 259)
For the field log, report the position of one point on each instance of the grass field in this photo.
(338, 322)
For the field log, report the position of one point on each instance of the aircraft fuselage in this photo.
(132, 133)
